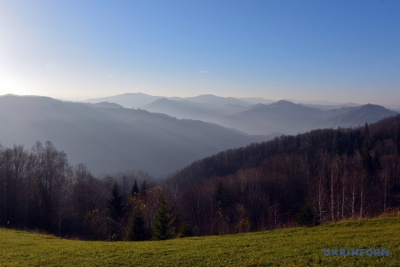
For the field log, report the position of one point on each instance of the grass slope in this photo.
(293, 247)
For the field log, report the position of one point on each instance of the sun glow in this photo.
(13, 85)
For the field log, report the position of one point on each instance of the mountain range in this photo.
(109, 138)
(166, 134)
(260, 116)
(139, 100)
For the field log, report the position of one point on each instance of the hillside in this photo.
(331, 174)
(108, 138)
(295, 247)
(231, 161)
(290, 118)
(282, 116)
(349, 117)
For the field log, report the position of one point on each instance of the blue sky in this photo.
(340, 51)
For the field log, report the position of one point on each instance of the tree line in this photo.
(307, 179)
(40, 190)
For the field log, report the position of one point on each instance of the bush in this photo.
(307, 217)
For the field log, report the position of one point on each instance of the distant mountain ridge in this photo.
(290, 118)
(282, 116)
(216, 100)
(138, 100)
(180, 109)
(266, 117)
(113, 139)
(128, 100)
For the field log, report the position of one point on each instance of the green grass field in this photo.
(288, 247)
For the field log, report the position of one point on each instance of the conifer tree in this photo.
(135, 189)
(143, 189)
(115, 204)
(115, 210)
(163, 228)
(137, 230)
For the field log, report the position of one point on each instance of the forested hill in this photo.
(323, 175)
(333, 141)
(343, 141)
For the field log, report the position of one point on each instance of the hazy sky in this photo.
(347, 51)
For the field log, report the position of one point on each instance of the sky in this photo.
(337, 50)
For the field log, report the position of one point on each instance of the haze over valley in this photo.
(161, 135)
(110, 138)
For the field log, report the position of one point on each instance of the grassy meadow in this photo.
(286, 247)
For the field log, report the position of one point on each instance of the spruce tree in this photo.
(115, 210)
(115, 204)
(307, 217)
(163, 228)
(143, 189)
(137, 230)
(135, 189)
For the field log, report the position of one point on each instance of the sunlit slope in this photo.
(294, 247)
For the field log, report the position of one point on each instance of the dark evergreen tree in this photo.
(219, 196)
(338, 146)
(185, 230)
(163, 228)
(307, 217)
(137, 230)
(135, 189)
(143, 189)
(115, 204)
(115, 210)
